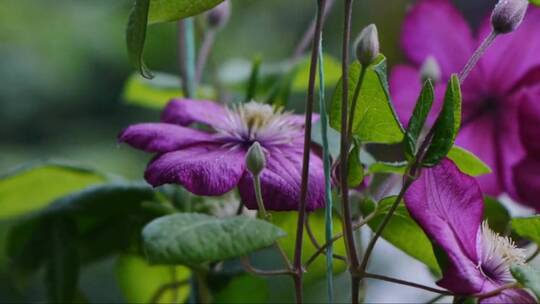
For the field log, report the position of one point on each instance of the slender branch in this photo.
(407, 283)
(163, 288)
(435, 299)
(204, 52)
(476, 56)
(496, 291)
(534, 255)
(298, 268)
(317, 245)
(249, 268)
(307, 38)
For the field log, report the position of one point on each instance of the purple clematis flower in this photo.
(491, 94)
(213, 162)
(526, 172)
(448, 205)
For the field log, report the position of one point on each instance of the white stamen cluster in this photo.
(497, 254)
(264, 123)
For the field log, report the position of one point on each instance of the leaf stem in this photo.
(259, 198)
(407, 283)
(307, 38)
(249, 268)
(532, 256)
(476, 56)
(298, 268)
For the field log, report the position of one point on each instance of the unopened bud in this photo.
(219, 15)
(430, 70)
(367, 45)
(508, 15)
(255, 159)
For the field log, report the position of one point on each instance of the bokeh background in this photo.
(63, 66)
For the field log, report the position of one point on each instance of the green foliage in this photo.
(496, 215)
(418, 119)
(333, 139)
(34, 186)
(171, 10)
(140, 281)
(528, 277)
(235, 291)
(467, 162)
(332, 73)
(288, 222)
(155, 93)
(375, 119)
(402, 231)
(192, 238)
(253, 79)
(355, 175)
(388, 167)
(447, 125)
(535, 2)
(527, 227)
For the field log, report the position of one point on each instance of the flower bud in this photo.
(430, 70)
(219, 15)
(255, 159)
(508, 15)
(367, 45)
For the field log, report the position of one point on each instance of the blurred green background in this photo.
(63, 65)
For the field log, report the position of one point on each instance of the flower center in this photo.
(497, 254)
(252, 121)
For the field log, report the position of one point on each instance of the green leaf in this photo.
(317, 270)
(375, 119)
(235, 291)
(253, 79)
(332, 73)
(528, 277)
(418, 119)
(467, 162)
(62, 270)
(33, 186)
(447, 124)
(155, 93)
(496, 215)
(334, 138)
(193, 238)
(355, 175)
(171, 10)
(139, 281)
(136, 36)
(388, 167)
(403, 232)
(528, 227)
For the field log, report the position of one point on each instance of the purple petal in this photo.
(448, 205)
(529, 120)
(511, 56)
(508, 296)
(436, 28)
(161, 137)
(527, 181)
(280, 182)
(203, 170)
(187, 111)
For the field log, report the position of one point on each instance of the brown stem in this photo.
(407, 283)
(307, 38)
(298, 268)
(249, 268)
(318, 246)
(496, 291)
(204, 52)
(535, 254)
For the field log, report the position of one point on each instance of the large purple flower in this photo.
(213, 162)
(492, 92)
(448, 205)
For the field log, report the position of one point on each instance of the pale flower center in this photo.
(252, 121)
(497, 254)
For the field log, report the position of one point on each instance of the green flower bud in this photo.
(367, 45)
(508, 15)
(219, 15)
(430, 70)
(255, 159)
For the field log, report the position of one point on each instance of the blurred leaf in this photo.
(333, 138)
(136, 35)
(171, 10)
(496, 215)
(528, 227)
(192, 238)
(467, 162)
(140, 281)
(388, 167)
(62, 270)
(235, 291)
(535, 2)
(402, 231)
(447, 124)
(317, 270)
(332, 73)
(418, 119)
(33, 186)
(356, 168)
(253, 79)
(375, 119)
(155, 93)
(528, 277)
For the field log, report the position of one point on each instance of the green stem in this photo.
(258, 196)
(187, 56)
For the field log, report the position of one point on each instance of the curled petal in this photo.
(203, 169)
(161, 137)
(187, 111)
